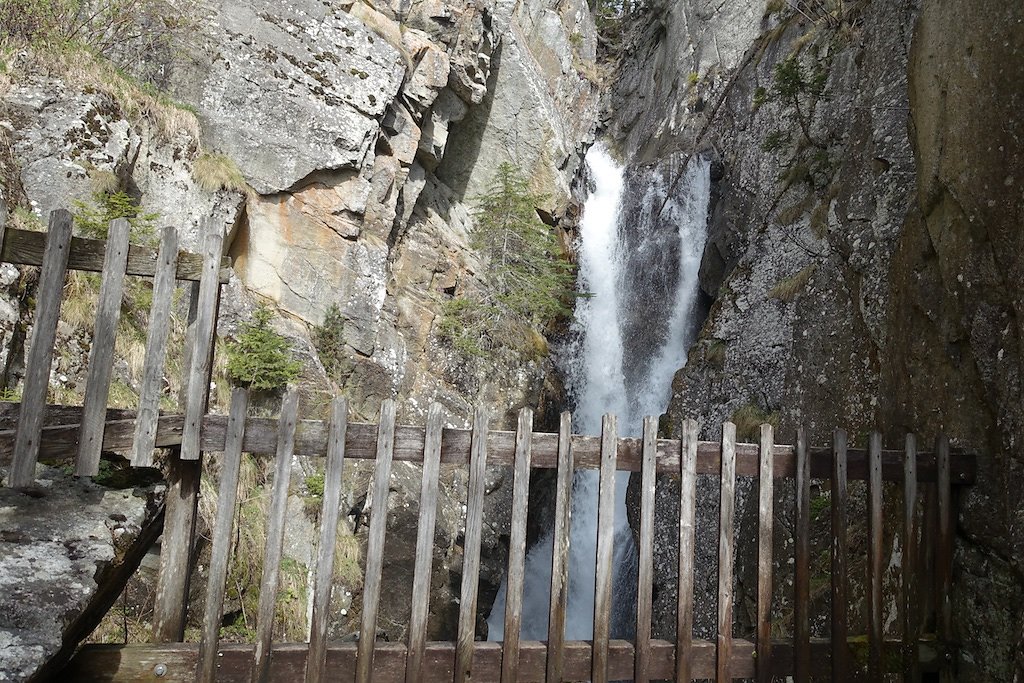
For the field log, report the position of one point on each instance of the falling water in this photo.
(642, 236)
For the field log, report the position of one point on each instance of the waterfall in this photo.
(641, 240)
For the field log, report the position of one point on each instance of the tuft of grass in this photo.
(819, 219)
(81, 292)
(714, 353)
(775, 6)
(23, 219)
(693, 78)
(104, 182)
(748, 420)
(315, 485)
(789, 288)
(214, 172)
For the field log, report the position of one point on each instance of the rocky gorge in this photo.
(862, 268)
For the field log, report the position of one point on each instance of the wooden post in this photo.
(40, 355)
(605, 549)
(375, 543)
(156, 350)
(424, 544)
(645, 574)
(560, 551)
(727, 506)
(911, 662)
(471, 556)
(227, 498)
(875, 557)
(840, 665)
(517, 548)
(802, 575)
(101, 354)
(172, 584)
(316, 663)
(687, 514)
(276, 516)
(944, 557)
(765, 516)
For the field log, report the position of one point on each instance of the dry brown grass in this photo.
(789, 288)
(214, 172)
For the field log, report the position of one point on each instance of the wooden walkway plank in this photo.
(27, 247)
(101, 353)
(801, 570)
(276, 517)
(684, 580)
(560, 551)
(874, 587)
(41, 347)
(911, 663)
(765, 541)
(840, 666)
(330, 513)
(517, 548)
(605, 549)
(202, 344)
(375, 543)
(471, 549)
(645, 573)
(220, 553)
(144, 440)
(726, 546)
(177, 545)
(424, 544)
(944, 557)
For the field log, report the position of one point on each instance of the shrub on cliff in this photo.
(259, 357)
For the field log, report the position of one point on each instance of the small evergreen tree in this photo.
(259, 357)
(330, 342)
(93, 220)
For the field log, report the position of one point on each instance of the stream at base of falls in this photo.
(641, 240)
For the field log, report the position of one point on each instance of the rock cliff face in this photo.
(861, 256)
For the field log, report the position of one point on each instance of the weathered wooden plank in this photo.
(220, 553)
(726, 511)
(375, 543)
(517, 548)
(605, 549)
(3, 223)
(471, 549)
(329, 515)
(144, 439)
(101, 353)
(424, 544)
(276, 516)
(645, 573)
(26, 247)
(177, 545)
(765, 541)
(875, 568)
(911, 665)
(560, 551)
(101, 663)
(40, 353)
(202, 344)
(684, 669)
(311, 440)
(840, 665)
(944, 556)
(801, 570)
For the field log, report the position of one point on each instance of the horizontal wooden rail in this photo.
(26, 247)
(59, 442)
(177, 661)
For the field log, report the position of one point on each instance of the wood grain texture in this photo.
(684, 670)
(471, 557)
(765, 541)
(144, 438)
(375, 542)
(645, 572)
(176, 549)
(424, 544)
(605, 549)
(220, 553)
(944, 556)
(909, 587)
(330, 512)
(41, 347)
(276, 517)
(726, 546)
(802, 566)
(517, 548)
(26, 247)
(101, 353)
(201, 349)
(875, 558)
(840, 665)
(560, 551)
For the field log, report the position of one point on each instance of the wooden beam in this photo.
(178, 540)
(765, 542)
(605, 550)
(840, 665)
(464, 664)
(801, 572)
(875, 560)
(517, 549)
(684, 669)
(909, 584)
(726, 545)
(645, 573)
(560, 551)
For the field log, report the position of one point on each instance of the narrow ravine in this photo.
(639, 255)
